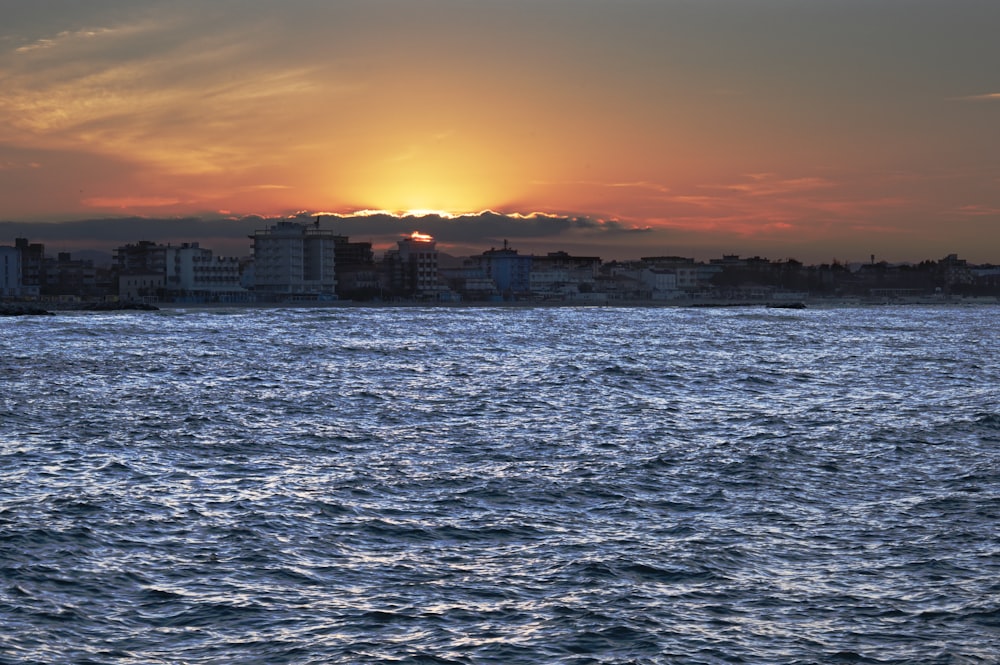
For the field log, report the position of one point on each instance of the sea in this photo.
(501, 485)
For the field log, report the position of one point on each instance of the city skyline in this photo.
(806, 130)
(467, 236)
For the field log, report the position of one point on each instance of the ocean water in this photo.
(593, 485)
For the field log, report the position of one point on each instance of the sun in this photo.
(425, 212)
(446, 197)
(448, 185)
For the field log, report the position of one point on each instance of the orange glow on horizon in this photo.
(635, 129)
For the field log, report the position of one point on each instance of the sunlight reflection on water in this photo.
(479, 485)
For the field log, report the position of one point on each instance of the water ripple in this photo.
(589, 485)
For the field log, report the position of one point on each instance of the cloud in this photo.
(484, 227)
(740, 225)
(230, 234)
(855, 207)
(185, 94)
(130, 202)
(700, 201)
(978, 210)
(64, 38)
(11, 165)
(988, 97)
(768, 184)
(264, 187)
(638, 185)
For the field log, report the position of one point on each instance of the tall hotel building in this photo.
(292, 259)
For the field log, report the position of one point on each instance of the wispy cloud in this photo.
(636, 184)
(988, 97)
(9, 165)
(859, 206)
(160, 91)
(130, 202)
(640, 184)
(258, 188)
(978, 210)
(768, 184)
(69, 37)
(698, 200)
(745, 226)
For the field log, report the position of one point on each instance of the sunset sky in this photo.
(817, 129)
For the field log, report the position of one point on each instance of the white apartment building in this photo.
(140, 287)
(550, 282)
(195, 271)
(294, 259)
(561, 281)
(662, 284)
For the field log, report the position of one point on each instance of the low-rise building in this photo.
(561, 276)
(140, 287)
(551, 283)
(687, 272)
(193, 273)
(661, 284)
(470, 282)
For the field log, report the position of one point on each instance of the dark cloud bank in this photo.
(230, 235)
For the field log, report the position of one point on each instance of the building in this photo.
(412, 268)
(10, 272)
(357, 274)
(194, 274)
(188, 272)
(32, 267)
(623, 280)
(141, 270)
(661, 284)
(566, 261)
(67, 278)
(690, 275)
(510, 271)
(560, 276)
(956, 271)
(144, 257)
(470, 282)
(295, 261)
(140, 286)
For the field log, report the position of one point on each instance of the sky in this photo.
(813, 129)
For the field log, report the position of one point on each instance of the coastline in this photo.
(34, 308)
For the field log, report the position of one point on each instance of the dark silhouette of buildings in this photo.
(293, 260)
